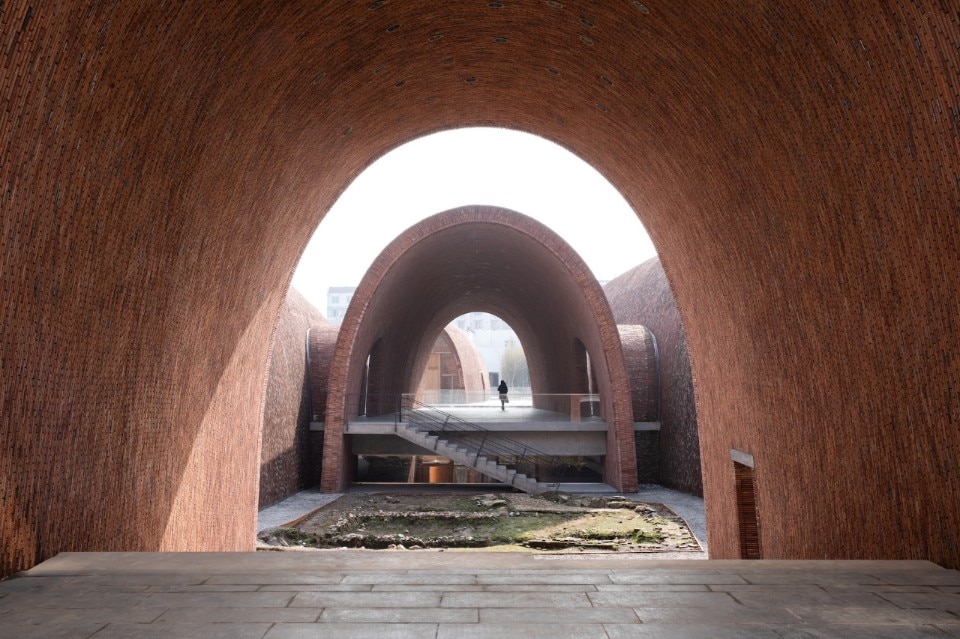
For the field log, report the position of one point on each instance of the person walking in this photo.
(502, 389)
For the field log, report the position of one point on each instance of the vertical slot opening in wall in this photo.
(747, 521)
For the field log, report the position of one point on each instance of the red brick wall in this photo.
(162, 166)
(517, 269)
(640, 354)
(323, 339)
(642, 296)
(284, 448)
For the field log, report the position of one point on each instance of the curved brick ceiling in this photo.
(164, 164)
(478, 259)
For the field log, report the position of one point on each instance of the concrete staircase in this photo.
(472, 459)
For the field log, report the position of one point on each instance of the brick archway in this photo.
(490, 259)
(465, 365)
(164, 164)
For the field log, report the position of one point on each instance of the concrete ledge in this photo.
(388, 428)
(320, 562)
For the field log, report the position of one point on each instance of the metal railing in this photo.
(485, 406)
(481, 442)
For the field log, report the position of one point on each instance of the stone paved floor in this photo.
(454, 595)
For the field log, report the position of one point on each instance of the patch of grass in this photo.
(466, 504)
(521, 528)
(647, 537)
(595, 535)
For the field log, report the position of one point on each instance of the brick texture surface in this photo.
(640, 353)
(517, 269)
(648, 456)
(284, 448)
(162, 166)
(642, 295)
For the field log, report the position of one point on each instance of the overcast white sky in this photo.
(497, 167)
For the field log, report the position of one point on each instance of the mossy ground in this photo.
(509, 521)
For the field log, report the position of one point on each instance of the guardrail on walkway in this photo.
(521, 406)
(481, 442)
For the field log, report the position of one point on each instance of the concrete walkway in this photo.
(468, 595)
(293, 508)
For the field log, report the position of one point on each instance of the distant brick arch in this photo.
(480, 258)
(466, 366)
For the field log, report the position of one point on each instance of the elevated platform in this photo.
(453, 595)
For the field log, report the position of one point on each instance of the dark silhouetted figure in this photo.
(502, 389)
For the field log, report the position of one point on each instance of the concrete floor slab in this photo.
(400, 615)
(219, 599)
(662, 599)
(412, 599)
(866, 616)
(184, 631)
(812, 598)
(62, 631)
(942, 600)
(353, 631)
(544, 578)
(860, 632)
(660, 631)
(240, 615)
(555, 616)
(665, 577)
(558, 600)
(528, 631)
(714, 616)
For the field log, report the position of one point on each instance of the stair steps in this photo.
(465, 457)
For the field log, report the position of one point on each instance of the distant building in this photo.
(338, 299)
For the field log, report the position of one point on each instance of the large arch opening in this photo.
(496, 166)
(146, 256)
(509, 265)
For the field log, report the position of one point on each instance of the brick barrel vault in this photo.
(163, 165)
(478, 258)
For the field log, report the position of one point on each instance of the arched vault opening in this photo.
(164, 163)
(495, 260)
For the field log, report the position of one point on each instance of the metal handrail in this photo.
(431, 419)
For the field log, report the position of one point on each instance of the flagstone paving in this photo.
(440, 595)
